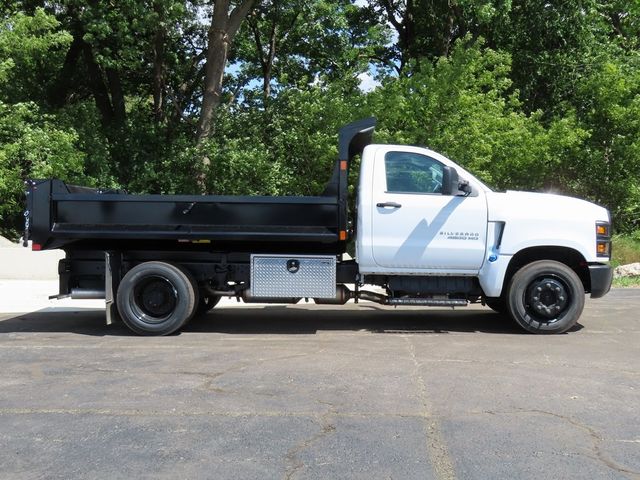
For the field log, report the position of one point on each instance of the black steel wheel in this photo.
(545, 297)
(156, 298)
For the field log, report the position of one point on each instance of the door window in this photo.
(412, 173)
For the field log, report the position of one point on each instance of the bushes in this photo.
(464, 107)
(32, 147)
(626, 249)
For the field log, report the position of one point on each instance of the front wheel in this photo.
(156, 298)
(545, 297)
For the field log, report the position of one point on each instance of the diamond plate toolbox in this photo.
(287, 276)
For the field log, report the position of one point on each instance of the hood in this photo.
(542, 206)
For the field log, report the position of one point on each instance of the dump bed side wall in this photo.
(59, 218)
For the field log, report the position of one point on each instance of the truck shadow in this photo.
(282, 320)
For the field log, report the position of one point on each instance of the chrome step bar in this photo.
(428, 302)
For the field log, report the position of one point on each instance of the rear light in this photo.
(603, 239)
(36, 247)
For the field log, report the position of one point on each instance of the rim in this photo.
(547, 298)
(154, 299)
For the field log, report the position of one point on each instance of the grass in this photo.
(626, 282)
(626, 249)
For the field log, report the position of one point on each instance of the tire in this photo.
(156, 298)
(497, 304)
(545, 297)
(206, 303)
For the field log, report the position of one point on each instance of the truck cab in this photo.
(421, 217)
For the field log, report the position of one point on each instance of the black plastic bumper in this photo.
(601, 277)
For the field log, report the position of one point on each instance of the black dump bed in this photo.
(65, 216)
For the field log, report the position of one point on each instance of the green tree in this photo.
(31, 145)
(293, 43)
(31, 48)
(608, 167)
(427, 29)
(462, 107)
(288, 150)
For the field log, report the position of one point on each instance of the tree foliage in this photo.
(167, 96)
(463, 106)
(31, 144)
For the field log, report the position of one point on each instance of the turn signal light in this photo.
(603, 239)
(602, 248)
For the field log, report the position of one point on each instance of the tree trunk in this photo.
(214, 70)
(58, 94)
(158, 68)
(266, 61)
(404, 27)
(224, 26)
(223, 29)
(98, 86)
(409, 23)
(269, 64)
(117, 96)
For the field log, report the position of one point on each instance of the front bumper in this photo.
(601, 278)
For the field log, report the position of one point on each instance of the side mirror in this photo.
(450, 181)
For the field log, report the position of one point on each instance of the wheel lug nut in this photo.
(548, 285)
(561, 298)
(539, 289)
(558, 289)
(536, 298)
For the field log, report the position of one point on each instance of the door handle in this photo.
(388, 204)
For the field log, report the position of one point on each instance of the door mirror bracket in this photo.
(451, 183)
(464, 186)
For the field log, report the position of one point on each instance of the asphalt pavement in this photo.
(318, 392)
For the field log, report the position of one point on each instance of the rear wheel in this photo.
(545, 297)
(156, 298)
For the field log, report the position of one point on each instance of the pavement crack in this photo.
(436, 446)
(211, 378)
(595, 437)
(294, 463)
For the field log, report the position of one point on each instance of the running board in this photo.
(428, 302)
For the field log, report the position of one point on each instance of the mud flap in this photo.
(112, 276)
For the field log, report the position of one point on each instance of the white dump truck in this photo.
(426, 230)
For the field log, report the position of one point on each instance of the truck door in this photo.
(415, 226)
